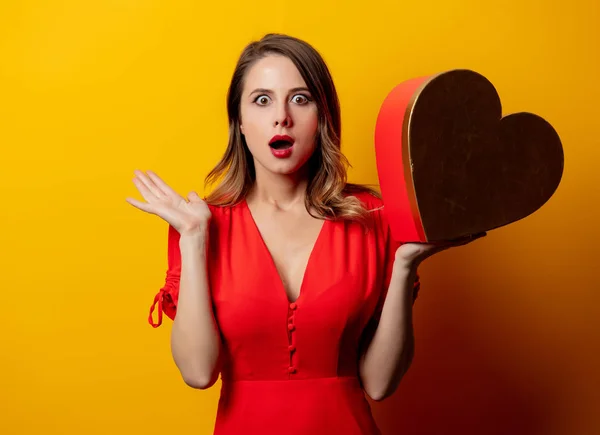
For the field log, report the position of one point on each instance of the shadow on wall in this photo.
(465, 380)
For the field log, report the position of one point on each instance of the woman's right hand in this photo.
(189, 216)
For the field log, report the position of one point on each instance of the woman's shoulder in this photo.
(219, 210)
(369, 198)
(373, 204)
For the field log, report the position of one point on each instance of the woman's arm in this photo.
(195, 338)
(391, 348)
(390, 351)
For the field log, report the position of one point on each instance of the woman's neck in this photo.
(279, 190)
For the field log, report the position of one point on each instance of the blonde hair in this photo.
(329, 195)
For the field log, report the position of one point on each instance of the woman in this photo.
(285, 280)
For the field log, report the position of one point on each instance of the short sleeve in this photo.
(390, 247)
(165, 300)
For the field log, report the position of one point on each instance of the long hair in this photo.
(329, 195)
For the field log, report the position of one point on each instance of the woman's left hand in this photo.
(413, 253)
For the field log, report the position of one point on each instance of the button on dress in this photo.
(291, 367)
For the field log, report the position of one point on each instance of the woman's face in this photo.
(278, 116)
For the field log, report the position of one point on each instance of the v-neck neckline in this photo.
(282, 290)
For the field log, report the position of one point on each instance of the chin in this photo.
(284, 167)
(287, 166)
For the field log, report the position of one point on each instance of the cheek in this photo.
(306, 121)
(253, 128)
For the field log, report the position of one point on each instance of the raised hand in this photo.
(187, 215)
(414, 253)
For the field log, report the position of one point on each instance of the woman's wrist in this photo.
(194, 239)
(404, 265)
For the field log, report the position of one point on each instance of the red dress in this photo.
(291, 367)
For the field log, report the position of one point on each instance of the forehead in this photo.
(273, 72)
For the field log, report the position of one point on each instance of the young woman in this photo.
(285, 280)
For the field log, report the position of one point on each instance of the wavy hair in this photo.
(328, 195)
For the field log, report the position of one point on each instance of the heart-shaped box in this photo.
(449, 165)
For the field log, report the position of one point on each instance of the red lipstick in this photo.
(281, 146)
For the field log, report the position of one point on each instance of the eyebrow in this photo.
(269, 91)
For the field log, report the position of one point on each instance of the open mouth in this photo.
(281, 144)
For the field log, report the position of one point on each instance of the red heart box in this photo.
(449, 165)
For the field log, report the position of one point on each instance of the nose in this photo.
(282, 116)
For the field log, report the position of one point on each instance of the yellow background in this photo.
(507, 328)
